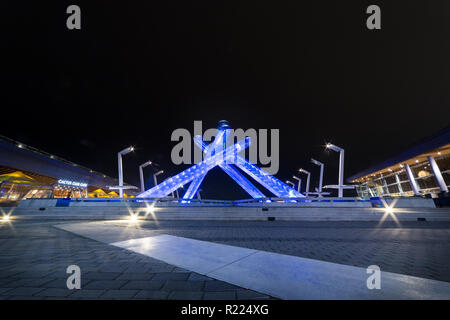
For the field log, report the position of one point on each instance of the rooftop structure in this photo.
(423, 168)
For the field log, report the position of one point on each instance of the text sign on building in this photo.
(72, 183)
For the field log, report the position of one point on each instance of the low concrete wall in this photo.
(37, 203)
(410, 202)
(400, 202)
(316, 204)
(235, 213)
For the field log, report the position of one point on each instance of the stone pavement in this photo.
(420, 249)
(34, 257)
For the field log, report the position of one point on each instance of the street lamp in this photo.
(307, 179)
(340, 185)
(299, 183)
(141, 173)
(119, 160)
(321, 165)
(155, 175)
(291, 183)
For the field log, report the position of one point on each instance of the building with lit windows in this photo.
(26, 172)
(422, 169)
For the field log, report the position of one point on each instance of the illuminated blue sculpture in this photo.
(216, 154)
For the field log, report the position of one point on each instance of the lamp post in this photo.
(155, 175)
(299, 183)
(340, 185)
(321, 165)
(307, 179)
(119, 160)
(141, 174)
(291, 183)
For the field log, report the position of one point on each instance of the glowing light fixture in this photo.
(227, 168)
(225, 157)
(141, 174)
(291, 183)
(307, 179)
(321, 165)
(299, 183)
(340, 186)
(169, 185)
(268, 181)
(119, 160)
(157, 174)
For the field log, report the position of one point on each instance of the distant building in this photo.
(26, 172)
(422, 169)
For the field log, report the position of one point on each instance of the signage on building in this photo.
(72, 183)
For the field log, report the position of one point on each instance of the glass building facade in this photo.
(397, 183)
(423, 169)
(27, 172)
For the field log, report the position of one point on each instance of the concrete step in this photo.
(235, 213)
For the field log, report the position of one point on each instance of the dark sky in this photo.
(137, 70)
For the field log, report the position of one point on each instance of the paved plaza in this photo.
(419, 249)
(34, 256)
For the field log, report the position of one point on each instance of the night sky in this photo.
(137, 70)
